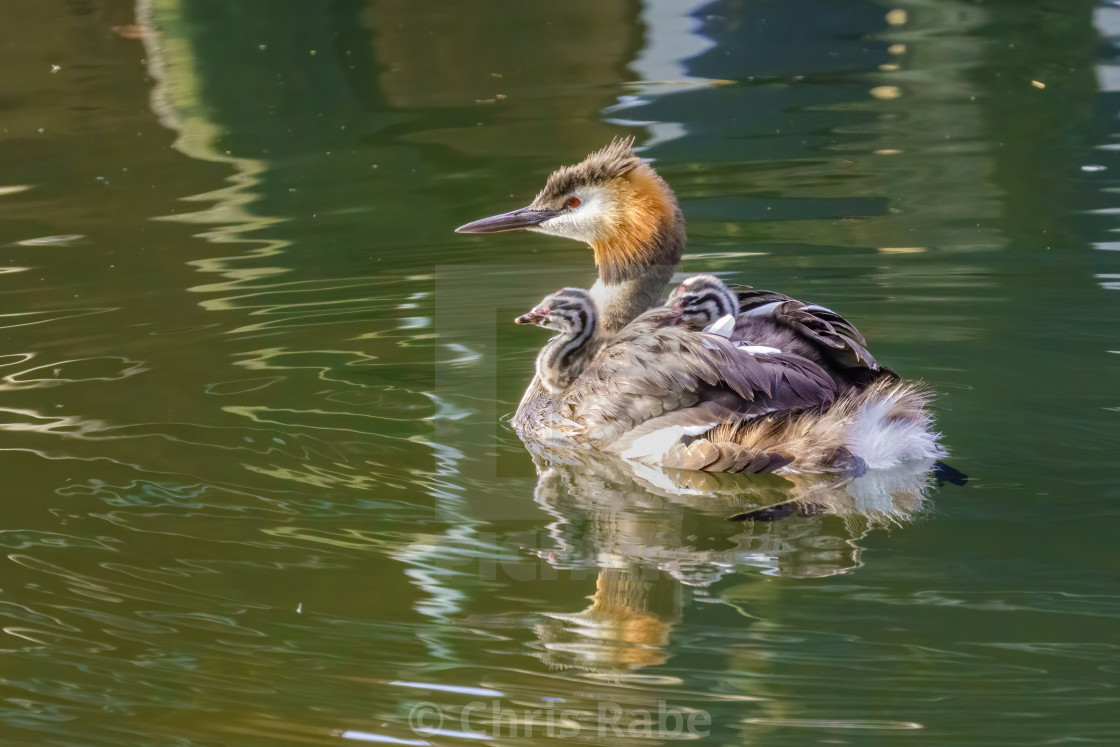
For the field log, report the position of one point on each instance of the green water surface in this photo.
(258, 488)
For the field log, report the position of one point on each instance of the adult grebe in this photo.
(617, 204)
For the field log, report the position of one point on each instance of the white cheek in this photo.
(566, 225)
(584, 223)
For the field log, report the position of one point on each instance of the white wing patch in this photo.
(758, 349)
(652, 446)
(723, 326)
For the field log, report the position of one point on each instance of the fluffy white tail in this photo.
(893, 427)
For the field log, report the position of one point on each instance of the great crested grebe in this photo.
(617, 204)
(703, 301)
(707, 304)
(571, 313)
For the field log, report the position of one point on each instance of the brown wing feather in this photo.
(813, 331)
(648, 370)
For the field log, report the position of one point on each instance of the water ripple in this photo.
(28, 318)
(105, 368)
(68, 239)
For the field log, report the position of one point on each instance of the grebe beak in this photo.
(533, 317)
(512, 221)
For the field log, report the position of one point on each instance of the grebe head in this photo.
(612, 200)
(569, 311)
(703, 299)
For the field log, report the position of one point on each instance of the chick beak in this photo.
(525, 217)
(536, 316)
(667, 318)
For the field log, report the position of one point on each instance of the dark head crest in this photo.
(611, 162)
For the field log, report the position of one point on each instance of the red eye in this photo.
(574, 202)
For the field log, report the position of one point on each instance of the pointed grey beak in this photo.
(513, 221)
(535, 316)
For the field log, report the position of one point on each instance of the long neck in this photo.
(627, 287)
(564, 357)
(639, 258)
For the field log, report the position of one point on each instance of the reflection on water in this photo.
(663, 503)
(651, 534)
(252, 386)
